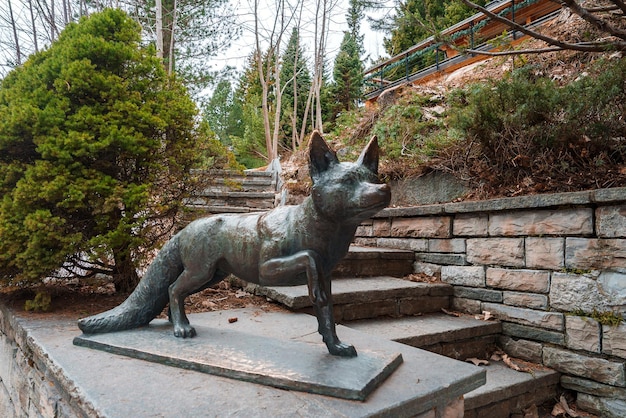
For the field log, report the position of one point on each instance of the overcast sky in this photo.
(241, 48)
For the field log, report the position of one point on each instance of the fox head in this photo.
(346, 192)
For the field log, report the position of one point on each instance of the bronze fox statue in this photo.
(286, 246)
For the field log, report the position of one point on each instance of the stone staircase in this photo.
(234, 192)
(371, 296)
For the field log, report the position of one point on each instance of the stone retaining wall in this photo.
(542, 265)
(31, 384)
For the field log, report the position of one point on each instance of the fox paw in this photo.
(342, 350)
(184, 331)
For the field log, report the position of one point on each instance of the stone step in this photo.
(236, 195)
(242, 184)
(362, 298)
(375, 261)
(212, 209)
(228, 186)
(233, 192)
(456, 337)
(508, 391)
(255, 200)
(233, 173)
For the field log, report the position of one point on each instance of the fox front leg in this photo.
(277, 270)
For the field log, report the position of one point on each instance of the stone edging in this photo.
(612, 195)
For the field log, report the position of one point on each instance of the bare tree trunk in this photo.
(33, 26)
(320, 50)
(159, 28)
(278, 90)
(65, 14)
(263, 81)
(305, 115)
(168, 16)
(170, 63)
(316, 63)
(53, 25)
(272, 67)
(295, 143)
(18, 54)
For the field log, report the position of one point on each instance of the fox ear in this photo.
(321, 157)
(369, 156)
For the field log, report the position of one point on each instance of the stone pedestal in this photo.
(265, 359)
(99, 383)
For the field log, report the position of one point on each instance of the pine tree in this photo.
(96, 143)
(249, 141)
(296, 84)
(223, 113)
(348, 74)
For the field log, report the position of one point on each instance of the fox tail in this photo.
(147, 300)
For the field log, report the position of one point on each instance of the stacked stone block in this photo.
(31, 385)
(540, 264)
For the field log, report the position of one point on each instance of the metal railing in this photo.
(477, 28)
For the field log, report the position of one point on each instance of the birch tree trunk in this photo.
(295, 138)
(322, 17)
(159, 28)
(170, 60)
(271, 72)
(263, 82)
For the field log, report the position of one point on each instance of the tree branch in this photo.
(620, 4)
(601, 9)
(603, 25)
(513, 52)
(536, 35)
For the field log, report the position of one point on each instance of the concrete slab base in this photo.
(263, 359)
(107, 385)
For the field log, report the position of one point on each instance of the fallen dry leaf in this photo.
(208, 304)
(563, 408)
(485, 316)
(495, 357)
(477, 361)
(557, 410)
(447, 312)
(507, 360)
(531, 412)
(233, 319)
(518, 365)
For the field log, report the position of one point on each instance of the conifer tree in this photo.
(348, 74)
(296, 80)
(249, 140)
(96, 143)
(224, 113)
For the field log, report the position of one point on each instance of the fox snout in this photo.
(378, 196)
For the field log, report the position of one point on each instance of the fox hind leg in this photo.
(189, 282)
